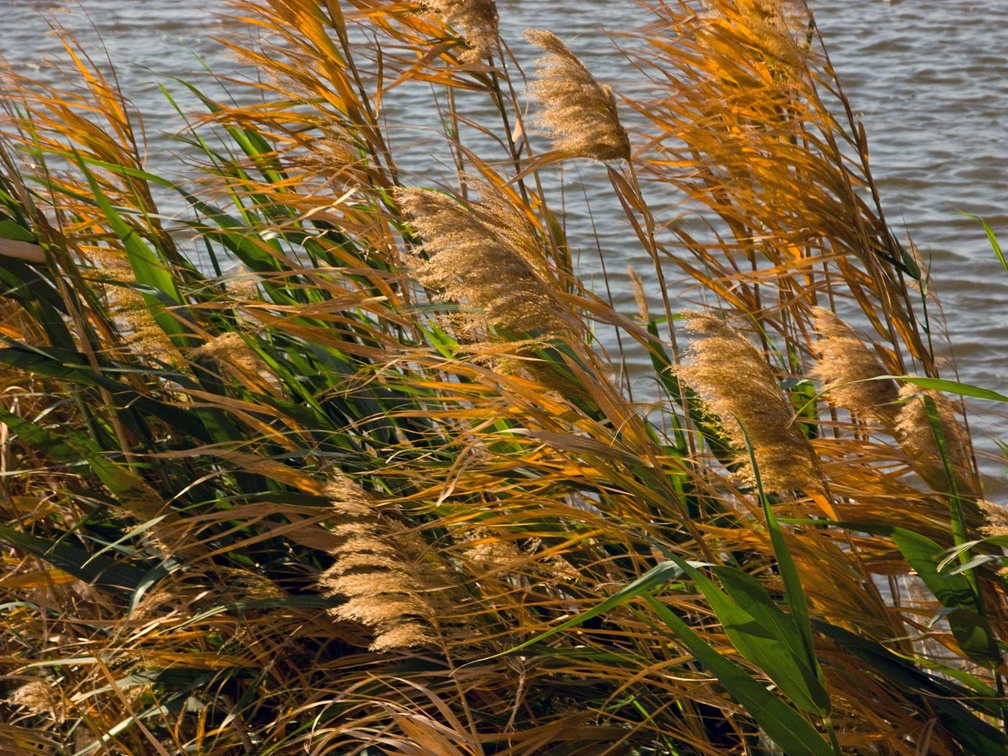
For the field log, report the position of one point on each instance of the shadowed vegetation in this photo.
(361, 471)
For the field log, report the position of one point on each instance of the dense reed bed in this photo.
(362, 473)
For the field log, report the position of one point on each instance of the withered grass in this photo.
(316, 504)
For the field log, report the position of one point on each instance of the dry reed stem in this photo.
(738, 385)
(579, 113)
(19, 250)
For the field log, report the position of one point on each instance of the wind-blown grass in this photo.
(378, 490)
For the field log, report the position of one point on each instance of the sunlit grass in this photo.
(380, 487)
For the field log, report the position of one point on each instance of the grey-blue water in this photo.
(929, 78)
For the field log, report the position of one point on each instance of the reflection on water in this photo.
(928, 77)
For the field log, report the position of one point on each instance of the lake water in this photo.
(929, 78)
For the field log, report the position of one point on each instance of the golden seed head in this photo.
(228, 348)
(242, 284)
(346, 496)
(640, 297)
(579, 113)
(38, 696)
(916, 436)
(775, 30)
(386, 579)
(485, 551)
(470, 259)
(846, 367)
(501, 214)
(739, 386)
(996, 518)
(380, 592)
(142, 334)
(477, 21)
(234, 357)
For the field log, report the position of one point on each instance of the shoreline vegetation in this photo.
(365, 477)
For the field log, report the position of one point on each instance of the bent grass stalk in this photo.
(379, 488)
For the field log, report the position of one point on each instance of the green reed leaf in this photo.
(951, 387)
(992, 238)
(785, 726)
(102, 570)
(956, 593)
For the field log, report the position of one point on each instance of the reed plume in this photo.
(40, 697)
(469, 258)
(578, 112)
(995, 524)
(929, 445)
(475, 19)
(639, 295)
(738, 386)
(775, 25)
(848, 371)
(379, 590)
(996, 518)
(346, 497)
(380, 571)
(232, 356)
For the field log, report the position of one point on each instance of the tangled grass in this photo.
(381, 487)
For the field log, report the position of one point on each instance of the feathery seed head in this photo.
(846, 367)
(228, 348)
(486, 552)
(346, 496)
(640, 297)
(996, 516)
(579, 113)
(916, 435)
(475, 19)
(402, 635)
(39, 697)
(739, 386)
(142, 333)
(242, 284)
(383, 573)
(775, 29)
(380, 608)
(380, 590)
(234, 357)
(470, 259)
(499, 213)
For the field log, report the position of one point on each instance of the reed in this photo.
(381, 487)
